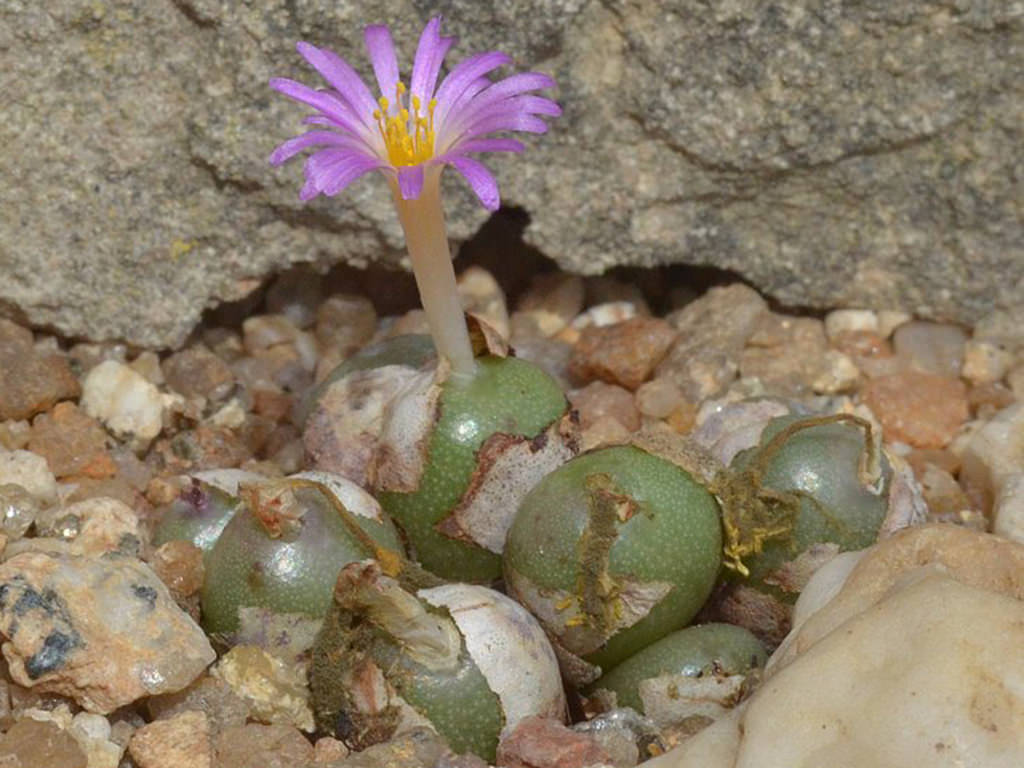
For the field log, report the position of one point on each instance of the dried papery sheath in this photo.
(410, 133)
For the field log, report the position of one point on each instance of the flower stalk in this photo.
(410, 134)
(425, 235)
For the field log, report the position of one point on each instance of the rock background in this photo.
(833, 153)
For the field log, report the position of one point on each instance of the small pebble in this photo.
(345, 322)
(985, 362)
(936, 348)
(30, 471)
(265, 331)
(840, 321)
(624, 353)
(33, 381)
(198, 372)
(609, 313)
(263, 746)
(120, 636)
(891, 319)
(182, 741)
(553, 300)
(538, 742)
(210, 695)
(93, 734)
(147, 364)
(18, 510)
(276, 692)
(327, 750)
(658, 398)
(123, 400)
(599, 399)
(72, 442)
(921, 409)
(33, 744)
(712, 333)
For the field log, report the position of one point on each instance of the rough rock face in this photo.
(917, 659)
(832, 153)
(103, 631)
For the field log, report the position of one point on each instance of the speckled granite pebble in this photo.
(104, 632)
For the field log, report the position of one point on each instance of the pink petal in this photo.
(480, 179)
(506, 121)
(381, 49)
(513, 86)
(349, 85)
(330, 171)
(332, 107)
(410, 181)
(293, 146)
(465, 74)
(525, 104)
(430, 53)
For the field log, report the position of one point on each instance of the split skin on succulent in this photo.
(398, 650)
(449, 451)
(806, 490)
(693, 674)
(614, 550)
(282, 549)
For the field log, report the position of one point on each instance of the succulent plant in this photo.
(461, 658)
(813, 487)
(612, 551)
(284, 546)
(456, 457)
(199, 515)
(685, 671)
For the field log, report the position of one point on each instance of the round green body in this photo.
(618, 515)
(199, 515)
(505, 395)
(292, 573)
(722, 649)
(821, 463)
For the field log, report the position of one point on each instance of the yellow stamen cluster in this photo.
(409, 137)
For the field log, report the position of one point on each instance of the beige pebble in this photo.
(182, 741)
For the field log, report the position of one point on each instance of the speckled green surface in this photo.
(465, 711)
(822, 461)
(199, 515)
(506, 395)
(675, 537)
(693, 651)
(294, 573)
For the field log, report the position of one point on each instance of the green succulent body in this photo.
(456, 699)
(721, 649)
(412, 350)
(458, 702)
(608, 518)
(290, 573)
(820, 466)
(505, 395)
(198, 515)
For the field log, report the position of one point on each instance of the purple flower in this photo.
(408, 131)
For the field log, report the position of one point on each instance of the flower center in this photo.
(408, 137)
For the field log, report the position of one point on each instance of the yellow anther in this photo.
(408, 136)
